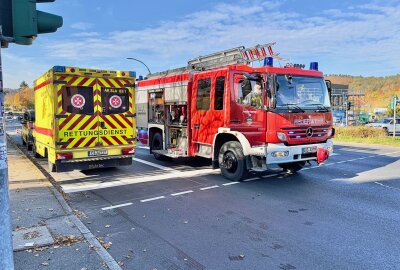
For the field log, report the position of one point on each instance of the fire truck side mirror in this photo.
(329, 86)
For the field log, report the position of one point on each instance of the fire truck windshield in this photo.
(305, 93)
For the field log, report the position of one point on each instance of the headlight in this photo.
(281, 136)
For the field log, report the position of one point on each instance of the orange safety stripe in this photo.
(43, 84)
(44, 131)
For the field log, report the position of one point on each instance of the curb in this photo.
(41, 169)
(57, 191)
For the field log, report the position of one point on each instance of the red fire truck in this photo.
(244, 118)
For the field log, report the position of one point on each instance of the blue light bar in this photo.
(132, 73)
(59, 68)
(268, 62)
(314, 66)
(140, 78)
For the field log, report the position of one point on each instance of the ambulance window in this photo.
(77, 99)
(203, 94)
(219, 93)
(114, 100)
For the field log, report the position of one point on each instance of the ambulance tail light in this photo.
(128, 151)
(64, 156)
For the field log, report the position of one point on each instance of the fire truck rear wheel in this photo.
(293, 167)
(157, 144)
(232, 161)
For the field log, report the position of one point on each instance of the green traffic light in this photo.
(29, 22)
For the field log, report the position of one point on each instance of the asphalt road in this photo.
(181, 214)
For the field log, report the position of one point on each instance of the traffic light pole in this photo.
(6, 247)
(394, 115)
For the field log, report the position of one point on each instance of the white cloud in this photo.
(362, 39)
(83, 26)
(17, 69)
(86, 34)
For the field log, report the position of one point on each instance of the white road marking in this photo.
(270, 175)
(143, 147)
(181, 193)
(334, 154)
(153, 164)
(205, 188)
(116, 206)
(386, 186)
(153, 199)
(230, 183)
(251, 179)
(99, 184)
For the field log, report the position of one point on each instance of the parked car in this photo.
(28, 125)
(387, 125)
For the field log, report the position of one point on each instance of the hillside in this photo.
(378, 90)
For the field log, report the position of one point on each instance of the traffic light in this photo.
(6, 20)
(28, 22)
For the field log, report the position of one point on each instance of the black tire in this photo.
(232, 161)
(35, 154)
(293, 167)
(52, 167)
(157, 144)
(386, 131)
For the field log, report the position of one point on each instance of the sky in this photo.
(345, 37)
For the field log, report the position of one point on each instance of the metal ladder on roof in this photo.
(235, 56)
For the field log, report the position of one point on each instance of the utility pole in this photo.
(6, 246)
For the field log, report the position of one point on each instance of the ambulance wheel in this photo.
(232, 161)
(52, 167)
(293, 167)
(157, 144)
(35, 154)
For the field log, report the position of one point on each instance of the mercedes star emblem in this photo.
(309, 132)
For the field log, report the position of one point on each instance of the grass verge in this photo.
(363, 134)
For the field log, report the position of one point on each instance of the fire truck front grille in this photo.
(301, 132)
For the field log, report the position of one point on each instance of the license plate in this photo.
(97, 153)
(311, 149)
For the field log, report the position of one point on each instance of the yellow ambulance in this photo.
(85, 118)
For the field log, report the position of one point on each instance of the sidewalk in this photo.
(40, 216)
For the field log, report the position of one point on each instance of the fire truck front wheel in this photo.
(232, 161)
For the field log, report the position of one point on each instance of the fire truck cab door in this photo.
(115, 105)
(247, 114)
(207, 106)
(77, 122)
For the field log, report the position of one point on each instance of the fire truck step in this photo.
(170, 153)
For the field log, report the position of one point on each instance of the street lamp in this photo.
(130, 58)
